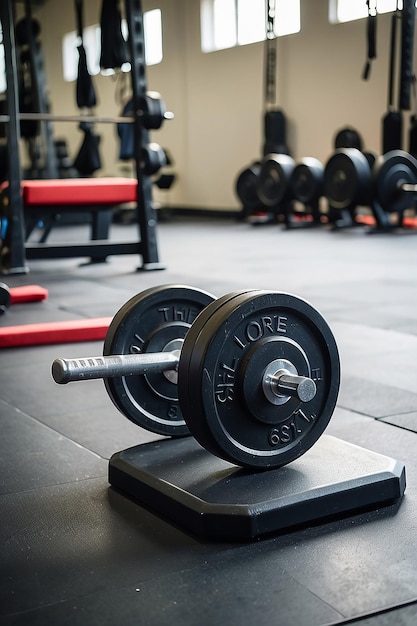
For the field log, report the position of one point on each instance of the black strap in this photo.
(370, 37)
(270, 54)
(407, 48)
(79, 17)
(393, 49)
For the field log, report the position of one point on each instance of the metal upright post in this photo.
(146, 216)
(13, 258)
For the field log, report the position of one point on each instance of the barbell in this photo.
(354, 178)
(253, 375)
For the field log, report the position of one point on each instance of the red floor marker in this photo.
(54, 332)
(27, 293)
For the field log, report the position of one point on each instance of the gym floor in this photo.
(74, 551)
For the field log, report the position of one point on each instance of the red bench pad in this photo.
(79, 191)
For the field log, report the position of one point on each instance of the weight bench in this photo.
(47, 200)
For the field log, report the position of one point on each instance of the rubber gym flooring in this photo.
(74, 551)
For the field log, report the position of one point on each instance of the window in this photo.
(152, 27)
(228, 23)
(348, 10)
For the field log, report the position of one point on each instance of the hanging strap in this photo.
(270, 54)
(407, 49)
(370, 38)
(79, 17)
(393, 50)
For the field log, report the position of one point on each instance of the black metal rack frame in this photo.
(14, 261)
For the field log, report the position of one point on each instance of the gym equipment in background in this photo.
(87, 160)
(387, 185)
(34, 98)
(46, 200)
(347, 185)
(274, 130)
(307, 187)
(113, 54)
(348, 137)
(254, 377)
(14, 248)
(371, 31)
(392, 122)
(394, 178)
(273, 184)
(407, 79)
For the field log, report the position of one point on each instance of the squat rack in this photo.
(14, 262)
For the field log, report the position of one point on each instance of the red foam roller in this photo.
(54, 332)
(27, 293)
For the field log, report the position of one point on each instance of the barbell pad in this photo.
(27, 293)
(69, 331)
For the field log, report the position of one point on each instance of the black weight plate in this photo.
(246, 187)
(391, 170)
(149, 322)
(306, 180)
(347, 179)
(273, 181)
(153, 110)
(226, 409)
(187, 354)
(371, 157)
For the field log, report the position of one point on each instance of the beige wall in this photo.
(217, 98)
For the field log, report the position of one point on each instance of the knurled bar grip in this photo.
(88, 368)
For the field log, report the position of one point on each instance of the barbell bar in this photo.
(50, 117)
(281, 384)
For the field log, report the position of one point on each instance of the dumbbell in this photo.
(253, 376)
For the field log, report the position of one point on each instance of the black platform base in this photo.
(190, 487)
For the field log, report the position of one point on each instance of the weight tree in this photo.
(15, 251)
